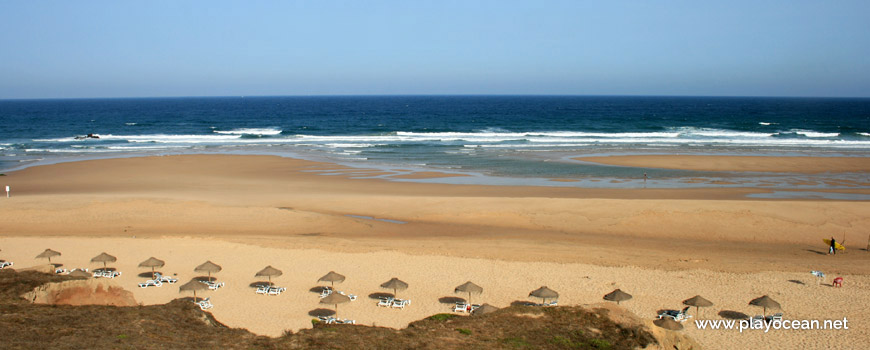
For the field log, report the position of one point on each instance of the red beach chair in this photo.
(838, 282)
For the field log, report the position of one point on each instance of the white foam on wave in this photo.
(352, 145)
(130, 124)
(864, 133)
(250, 131)
(810, 133)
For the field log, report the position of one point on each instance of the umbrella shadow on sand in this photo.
(321, 312)
(733, 315)
(148, 274)
(259, 284)
(317, 289)
(451, 300)
(380, 295)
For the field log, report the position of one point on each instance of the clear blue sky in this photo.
(227, 48)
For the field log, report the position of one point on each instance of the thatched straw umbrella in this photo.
(332, 277)
(104, 258)
(194, 286)
(468, 287)
(335, 299)
(668, 323)
(544, 293)
(484, 309)
(48, 253)
(617, 296)
(698, 302)
(395, 284)
(80, 273)
(766, 302)
(209, 267)
(269, 271)
(153, 263)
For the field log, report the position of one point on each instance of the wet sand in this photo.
(802, 165)
(250, 211)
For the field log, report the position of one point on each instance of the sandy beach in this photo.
(246, 212)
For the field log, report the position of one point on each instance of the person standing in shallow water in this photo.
(833, 249)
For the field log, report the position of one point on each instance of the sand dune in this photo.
(432, 277)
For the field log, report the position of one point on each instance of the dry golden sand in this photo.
(246, 212)
(804, 165)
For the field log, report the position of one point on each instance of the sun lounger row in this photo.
(164, 279)
(775, 317)
(678, 316)
(333, 320)
(205, 304)
(5, 264)
(394, 303)
(550, 303)
(464, 307)
(326, 292)
(106, 274)
(266, 290)
(151, 283)
(213, 285)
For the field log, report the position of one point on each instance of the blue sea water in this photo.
(499, 138)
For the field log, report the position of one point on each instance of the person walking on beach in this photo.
(833, 249)
(644, 177)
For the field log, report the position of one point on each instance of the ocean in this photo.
(498, 139)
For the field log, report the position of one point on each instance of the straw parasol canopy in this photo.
(332, 277)
(104, 258)
(335, 299)
(765, 302)
(48, 253)
(194, 286)
(395, 284)
(544, 293)
(617, 296)
(698, 302)
(80, 273)
(469, 287)
(153, 263)
(269, 271)
(209, 267)
(484, 309)
(668, 323)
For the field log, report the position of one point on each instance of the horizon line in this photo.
(432, 95)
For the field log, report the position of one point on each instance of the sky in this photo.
(75, 49)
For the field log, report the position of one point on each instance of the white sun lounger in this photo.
(165, 279)
(276, 290)
(398, 303)
(5, 264)
(150, 283)
(460, 307)
(205, 304)
(385, 302)
(678, 316)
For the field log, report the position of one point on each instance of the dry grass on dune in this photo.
(180, 324)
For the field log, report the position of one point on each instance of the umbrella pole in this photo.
(336, 310)
(194, 295)
(152, 272)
